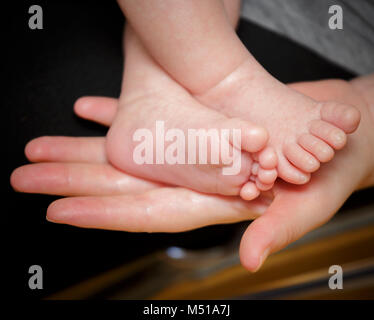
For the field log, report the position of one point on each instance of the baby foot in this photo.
(158, 99)
(302, 131)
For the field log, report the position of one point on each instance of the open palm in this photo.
(99, 196)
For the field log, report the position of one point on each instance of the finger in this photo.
(158, 210)
(291, 215)
(66, 149)
(97, 109)
(75, 179)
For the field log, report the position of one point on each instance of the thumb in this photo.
(294, 212)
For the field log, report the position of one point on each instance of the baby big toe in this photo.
(301, 158)
(253, 137)
(343, 116)
(329, 133)
(318, 148)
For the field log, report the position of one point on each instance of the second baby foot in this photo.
(152, 102)
(303, 132)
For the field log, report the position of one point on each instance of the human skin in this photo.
(78, 167)
(149, 95)
(196, 44)
(257, 169)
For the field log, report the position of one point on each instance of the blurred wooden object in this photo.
(297, 272)
(303, 265)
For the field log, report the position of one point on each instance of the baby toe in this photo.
(343, 116)
(253, 137)
(249, 191)
(263, 186)
(268, 158)
(318, 148)
(300, 158)
(329, 133)
(267, 176)
(255, 168)
(290, 173)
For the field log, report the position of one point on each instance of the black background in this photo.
(79, 53)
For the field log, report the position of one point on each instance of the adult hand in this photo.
(99, 196)
(133, 204)
(297, 210)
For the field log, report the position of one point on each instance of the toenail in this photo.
(339, 137)
(313, 164)
(303, 178)
(326, 153)
(352, 117)
(350, 114)
(255, 168)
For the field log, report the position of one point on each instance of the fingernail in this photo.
(262, 259)
(48, 218)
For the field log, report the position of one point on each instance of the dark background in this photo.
(79, 53)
